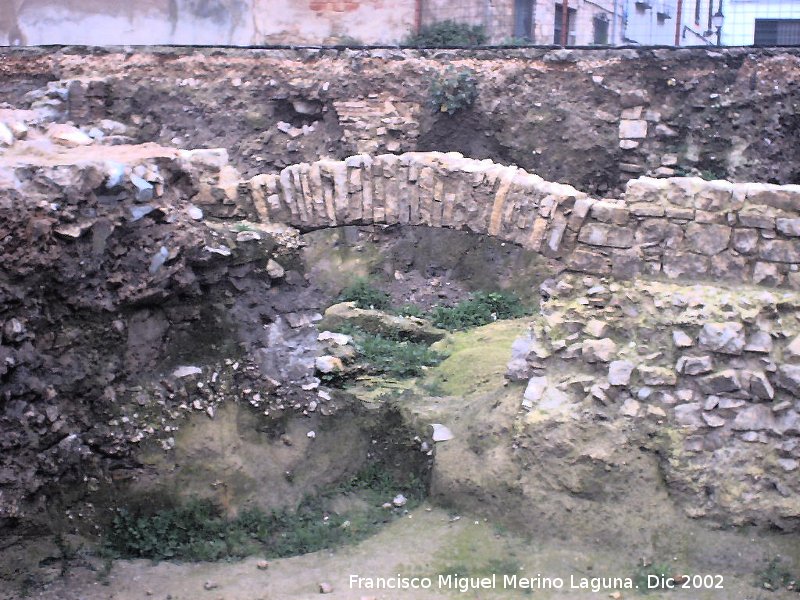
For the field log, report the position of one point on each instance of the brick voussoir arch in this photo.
(682, 228)
(431, 189)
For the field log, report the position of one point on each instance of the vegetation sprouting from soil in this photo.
(448, 34)
(776, 575)
(480, 309)
(365, 295)
(198, 530)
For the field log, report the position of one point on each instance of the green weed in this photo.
(776, 576)
(198, 531)
(400, 358)
(365, 295)
(645, 571)
(482, 308)
(447, 34)
(453, 90)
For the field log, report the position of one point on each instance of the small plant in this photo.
(362, 292)
(710, 175)
(453, 90)
(448, 34)
(645, 577)
(349, 41)
(515, 41)
(776, 576)
(400, 358)
(198, 531)
(482, 308)
(410, 310)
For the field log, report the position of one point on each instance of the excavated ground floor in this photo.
(197, 400)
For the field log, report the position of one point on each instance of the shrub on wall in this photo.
(453, 90)
(448, 33)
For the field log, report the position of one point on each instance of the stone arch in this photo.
(421, 188)
(682, 227)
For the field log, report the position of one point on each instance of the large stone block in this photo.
(588, 261)
(786, 251)
(677, 265)
(707, 239)
(600, 234)
(653, 231)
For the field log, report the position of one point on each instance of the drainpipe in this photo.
(564, 22)
(418, 17)
(614, 25)
(678, 19)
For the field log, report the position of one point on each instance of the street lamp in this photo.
(717, 20)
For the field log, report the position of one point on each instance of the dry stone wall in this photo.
(680, 228)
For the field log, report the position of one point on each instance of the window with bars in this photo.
(777, 32)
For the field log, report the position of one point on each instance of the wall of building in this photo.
(203, 22)
(644, 26)
(741, 15)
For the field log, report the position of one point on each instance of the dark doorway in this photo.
(523, 19)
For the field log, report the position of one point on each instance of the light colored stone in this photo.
(744, 241)
(695, 365)
(792, 351)
(713, 420)
(756, 417)
(69, 136)
(633, 129)
(688, 414)
(441, 433)
(602, 350)
(760, 341)
(788, 227)
(187, 371)
(328, 364)
(6, 135)
(619, 372)
(726, 337)
(534, 391)
(338, 339)
(600, 234)
(654, 375)
(681, 339)
(788, 378)
(275, 270)
(596, 328)
(630, 408)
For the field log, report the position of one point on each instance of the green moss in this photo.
(475, 358)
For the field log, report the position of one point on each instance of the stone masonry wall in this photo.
(683, 228)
